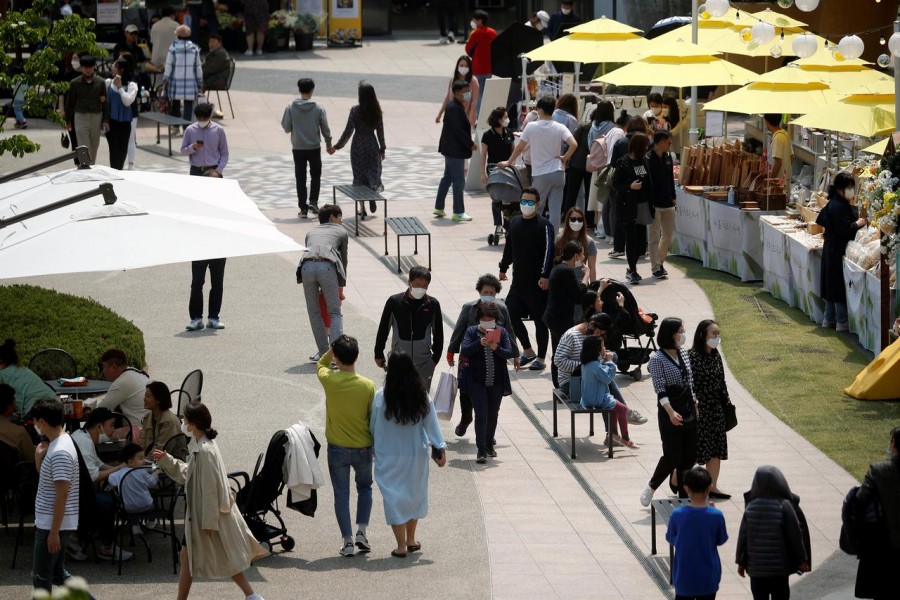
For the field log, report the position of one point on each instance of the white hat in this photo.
(543, 17)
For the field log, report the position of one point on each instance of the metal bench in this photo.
(664, 508)
(361, 193)
(405, 226)
(164, 119)
(559, 397)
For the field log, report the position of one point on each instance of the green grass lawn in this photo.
(797, 369)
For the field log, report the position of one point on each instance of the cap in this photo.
(543, 17)
(131, 28)
(99, 415)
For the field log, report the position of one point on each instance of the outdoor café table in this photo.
(111, 452)
(94, 387)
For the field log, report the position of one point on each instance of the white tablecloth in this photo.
(689, 238)
(776, 268)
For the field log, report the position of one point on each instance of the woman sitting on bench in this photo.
(598, 371)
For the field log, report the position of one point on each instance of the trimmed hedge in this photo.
(38, 318)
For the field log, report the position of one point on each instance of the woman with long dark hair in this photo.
(633, 207)
(404, 427)
(563, 297)
(217, 542)
(160, 424)
(122, 93)
(462, 72)
(574, 228)
(367, 149)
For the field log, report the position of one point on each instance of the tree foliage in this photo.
(32, 48)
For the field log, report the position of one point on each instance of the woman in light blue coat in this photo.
(404, 425)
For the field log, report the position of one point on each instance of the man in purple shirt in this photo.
(206, 147)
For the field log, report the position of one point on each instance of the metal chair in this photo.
(9, 458)
(189, 391)
(126, 521)
(53, 363)
(177, 446)
(25, 480)
(225, 89)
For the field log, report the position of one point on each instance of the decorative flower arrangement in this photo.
(306, 23)
(282, 21)
(878, 189)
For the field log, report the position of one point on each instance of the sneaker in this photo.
(633, 277)
(647, 495)
(248, 52)
(74, 551)
(303, 214)
(615, 440)
(828, 324)
(481, 457)
(614, 254)
(255, 596)
(842, 327)
(444, 40)
(629, 444)
(660, 274)
(315, 357)
(362, 543)
(314, 208)
(195, 325)
(218, 114)
(636, 418)
(348, 550)
(451, 38)
(439, 213)
(150, 524)
(461, 428)
(537, 365)
(461, 217)
(491, 452)
(524, 360)
(21, 125)
(113, 553)
(215, 324)
(259, 53)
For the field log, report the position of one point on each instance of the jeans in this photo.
(660, 231)
(18, 106)
(550, 187)
(183, 109)
(776, 588)
(486, 402)
(340, 460)
(198, 278)
(679, 453)
(49, 569)
(117, 137)
(836, 312)
(314, 159)
(322, 276)
(455, 175)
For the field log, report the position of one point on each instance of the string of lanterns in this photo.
(850, 47)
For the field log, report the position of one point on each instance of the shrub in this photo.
(38, 318)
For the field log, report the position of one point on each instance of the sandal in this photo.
(396, 554)
(629, 444)
(415, 548)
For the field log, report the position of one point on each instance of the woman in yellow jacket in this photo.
(218, 543)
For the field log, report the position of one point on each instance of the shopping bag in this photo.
(445, 396)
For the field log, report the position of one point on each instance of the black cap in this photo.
(100, 414)
(602, 321)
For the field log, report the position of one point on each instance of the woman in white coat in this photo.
(217, 542)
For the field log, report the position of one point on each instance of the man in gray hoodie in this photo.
(305, 121)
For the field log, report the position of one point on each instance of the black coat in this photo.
(456, 135)
(628, 171)
(877, 575)
(838, 218)
(564, 294)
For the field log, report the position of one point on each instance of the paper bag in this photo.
(445, 396)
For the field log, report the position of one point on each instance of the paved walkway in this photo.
(530, 524)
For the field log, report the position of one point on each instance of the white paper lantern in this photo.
(763, 33)
(717, 8)
(851, 46)
(805, 45)
(884, 61)
(807, 5)
(894, 44)
(776, 51)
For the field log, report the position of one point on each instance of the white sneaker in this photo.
(259, 52)
(647, 495)
(348, 549)
(195, 325)
(636, 418)
(451, 38)
(255, 596)
(215, 324)
(113, 553)
(461, 217)
(248, 52)
(444, 41)
(362, 542)
(74, 551)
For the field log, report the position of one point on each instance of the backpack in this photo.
(604, 184)
(599, 155)
(858, 524)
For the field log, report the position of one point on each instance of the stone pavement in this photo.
(531, 523)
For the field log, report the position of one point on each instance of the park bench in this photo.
(664, 508)
(361, 193)
(409, 226)
(559, 397)
(164, 119)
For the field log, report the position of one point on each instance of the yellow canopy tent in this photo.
(878, 381)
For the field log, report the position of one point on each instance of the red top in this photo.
(479, 48)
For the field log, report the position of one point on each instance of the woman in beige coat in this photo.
(218, 543)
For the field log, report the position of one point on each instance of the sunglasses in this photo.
(576, 220)
(524, 201)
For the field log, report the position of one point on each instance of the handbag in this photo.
(681, 397)
(731, 420)
(445, 396)
(64, 140)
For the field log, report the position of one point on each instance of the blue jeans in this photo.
(49, 569)
(836, 312)
(486, 402)
(340, 460)
(18, 105)
(455, 174)
(322, 276)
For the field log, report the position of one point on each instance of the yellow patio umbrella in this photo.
(618, 48)
(877, 148)
(787, 90)
(602, 26)
(856, 118)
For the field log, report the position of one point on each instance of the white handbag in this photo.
(445, 396)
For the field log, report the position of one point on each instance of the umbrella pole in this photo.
(885, 269)
(524, 102)
(577, 80)
(694, 134)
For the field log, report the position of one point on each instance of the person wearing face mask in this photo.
(456, 146)
(478, 47)
(563, 19)
(654, 112)
(634, 185)
(217, 542)
(496, 146)
(87, 111)
(415, 318)
(841, 221)
(539, 21)
(122, 92)
(487, 347)
(670, 369)
(712, 398)
(462, 72)
(487, 286)
(662, 195)
(564, 295)
(574, 230)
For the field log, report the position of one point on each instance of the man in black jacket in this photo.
(662, 194)
(529, 249)
(456, 145)
(415, 318)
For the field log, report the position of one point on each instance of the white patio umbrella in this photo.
(157, 219)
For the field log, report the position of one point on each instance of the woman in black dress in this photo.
(841, 222)
(712, 397)
(367, 149)
(496, 146)
(564, 294)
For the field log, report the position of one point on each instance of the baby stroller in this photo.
(633, 327)
(505, 188)
(257, 496)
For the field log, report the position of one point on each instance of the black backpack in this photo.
(861, 526)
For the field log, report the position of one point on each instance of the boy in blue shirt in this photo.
(696, 530)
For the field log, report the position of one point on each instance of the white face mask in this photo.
(76, 65)
(488, 299)
(714, 342)
(203, 124)
(539, 26)
(656, 111)
(505, 122)
(184, 429)
(578, 264)
(487, 325)
(473, 24)
(38, 430)
(417, 293)
(850, 193)
(681, 339)
(463, 70)
(576, 226)
(467, 97)
(565, 11)
(527, 210)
